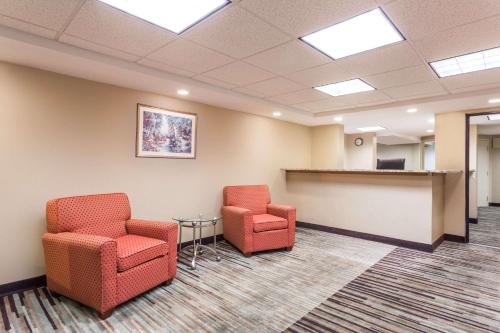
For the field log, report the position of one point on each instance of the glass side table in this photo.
(197, 224)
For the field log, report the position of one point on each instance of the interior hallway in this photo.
(487, 230)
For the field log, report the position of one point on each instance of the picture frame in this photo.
(165, 133)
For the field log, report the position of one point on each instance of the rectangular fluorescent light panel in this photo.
(467, 63)
(360, 33)
(174, 15)
(345, 87)
(494, 116)
(371, 129)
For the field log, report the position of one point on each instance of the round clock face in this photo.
(358, 142)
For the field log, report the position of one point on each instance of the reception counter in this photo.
(400, 207)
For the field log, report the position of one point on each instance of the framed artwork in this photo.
(165, 133)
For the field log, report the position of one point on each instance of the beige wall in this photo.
(450, 155)
(62, 136)
(495, 175)
(327, 147)
(362, 157)
(410, 152)
(473, 175)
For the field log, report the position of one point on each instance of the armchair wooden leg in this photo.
(289, 248)
(106, 314)
(247, 254)
(168, 282)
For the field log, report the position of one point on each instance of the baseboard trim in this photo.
(376, 238)
(454, 238)
(494, 204)
(472, 220)
(437, 242)
(22, 285)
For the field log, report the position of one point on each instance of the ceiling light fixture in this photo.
(338, 119)
(494, 116)
(412, 110)
(430, 131)
(360, 33)
(345, 87)
(494, 100)
(174, 15)
(467, 63)
(276, 114)
(182, 92)
(371, 129)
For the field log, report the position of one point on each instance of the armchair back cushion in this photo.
(101, 214)
(252, 197)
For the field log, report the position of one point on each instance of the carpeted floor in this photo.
(328, 283)
(454, 289)
(265, 293)
(487, 230)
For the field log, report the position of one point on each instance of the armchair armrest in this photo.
(82, 267)
(286, 212)
(238, 227)
(290, 214)
(165, 231)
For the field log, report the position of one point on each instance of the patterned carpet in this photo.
(487, 230)
(265, 293)
(454, 289)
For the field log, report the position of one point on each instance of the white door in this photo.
(483, 172)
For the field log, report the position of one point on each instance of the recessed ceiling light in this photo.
(338, 119)
(412, 110)
(183, 92)
(431, 120)
(345, 87)
(494, 100)
(494, 116)
(371, 129)
(467, 63)
(174, 15)
(276, 114)
(360, 33)
(430, 131)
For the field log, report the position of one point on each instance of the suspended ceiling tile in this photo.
(189, 56)
(401, 77)
(290, 57)
(236, 33)
(275, 86)
(164, 67)
(239, 73)
(422, 89)
(104, 25)
(299, 17)
(417, 19)
(68, 39)
(50, 14)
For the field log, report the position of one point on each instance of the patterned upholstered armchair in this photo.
(96, 255)
(252, 223)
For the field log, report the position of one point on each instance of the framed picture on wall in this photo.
(165, 133)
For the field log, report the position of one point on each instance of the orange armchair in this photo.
(98, 256)
(252, 223)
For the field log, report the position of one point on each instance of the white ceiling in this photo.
(247, 56)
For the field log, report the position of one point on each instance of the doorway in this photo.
(483, 181)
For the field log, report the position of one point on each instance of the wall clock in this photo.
(358, 142)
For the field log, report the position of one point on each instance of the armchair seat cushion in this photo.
(133, 250)
(266, 222)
